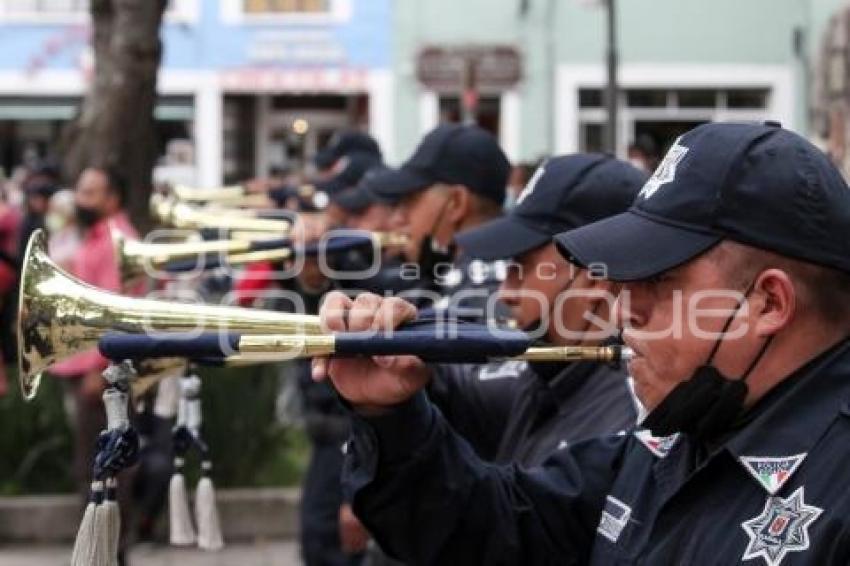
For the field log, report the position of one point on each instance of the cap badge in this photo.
(532, 183)
(666, 171)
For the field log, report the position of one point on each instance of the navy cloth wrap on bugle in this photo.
(454, 343)
(334, 244)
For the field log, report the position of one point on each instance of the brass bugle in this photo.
(235, 195)
(246, 255)
(59, 316)
(133, 257)
(472, 347)
(181, 215)
(380, 240)
(282, 347)
(221, 194)
(238, 195)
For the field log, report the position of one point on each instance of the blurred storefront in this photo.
(246, 85)
(682, 62)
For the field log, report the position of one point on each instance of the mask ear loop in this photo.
(728, 323)
(729, 320)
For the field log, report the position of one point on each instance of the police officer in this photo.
(325, 541)
(455, 180)
(550, 405)
(744, 451)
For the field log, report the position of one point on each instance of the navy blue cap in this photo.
(564, 193)
(353, 168)
(759, 185)
(363, 195)
(345, 142)
(454, 154)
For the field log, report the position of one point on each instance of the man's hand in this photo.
(352, 534)
(373, 383)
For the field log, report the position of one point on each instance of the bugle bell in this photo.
(59, 316)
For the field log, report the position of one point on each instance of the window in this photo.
(64, 11)
(697, 98)
(746, 98)
(646, 98)
(662, 113)
(590, 98)
(286, 6)
(591, 138)
(12, 8)
(285, 11)
(487, 113)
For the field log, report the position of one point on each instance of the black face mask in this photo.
(708, 403)
(86, 217)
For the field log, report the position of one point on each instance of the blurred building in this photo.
(683, 62)
(249, 84)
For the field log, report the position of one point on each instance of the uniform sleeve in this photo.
(477, 409)
(428, 499)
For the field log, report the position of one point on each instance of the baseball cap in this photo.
(757, 184)
(358, 198)
(345, 142)
(453, 154)
(354, 166)
(564, 193)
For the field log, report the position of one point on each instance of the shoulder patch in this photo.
(658, 445)
(615, 517)
(772, 472)
(506, 369)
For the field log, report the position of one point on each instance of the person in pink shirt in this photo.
(98, 198)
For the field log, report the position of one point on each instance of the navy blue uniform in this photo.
(772, 491)
(476, 400)
(557, 405)
(516, 412)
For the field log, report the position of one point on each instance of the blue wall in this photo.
(210, 44)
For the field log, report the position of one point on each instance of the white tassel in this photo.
(179, 517)
(82, 553)
(100, 540)
(206, 513)
(113, 520)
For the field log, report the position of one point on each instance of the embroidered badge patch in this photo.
(499, 370)
(782, 527)
(772, 473)
(666, 171)
(532, 183)
(658, 445)
(615, 517)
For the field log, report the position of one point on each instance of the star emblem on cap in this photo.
(782, 527)
(666, 171)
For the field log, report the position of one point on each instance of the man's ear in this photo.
(776, 303)
(460, 204)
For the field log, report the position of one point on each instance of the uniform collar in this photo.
(785, 425)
